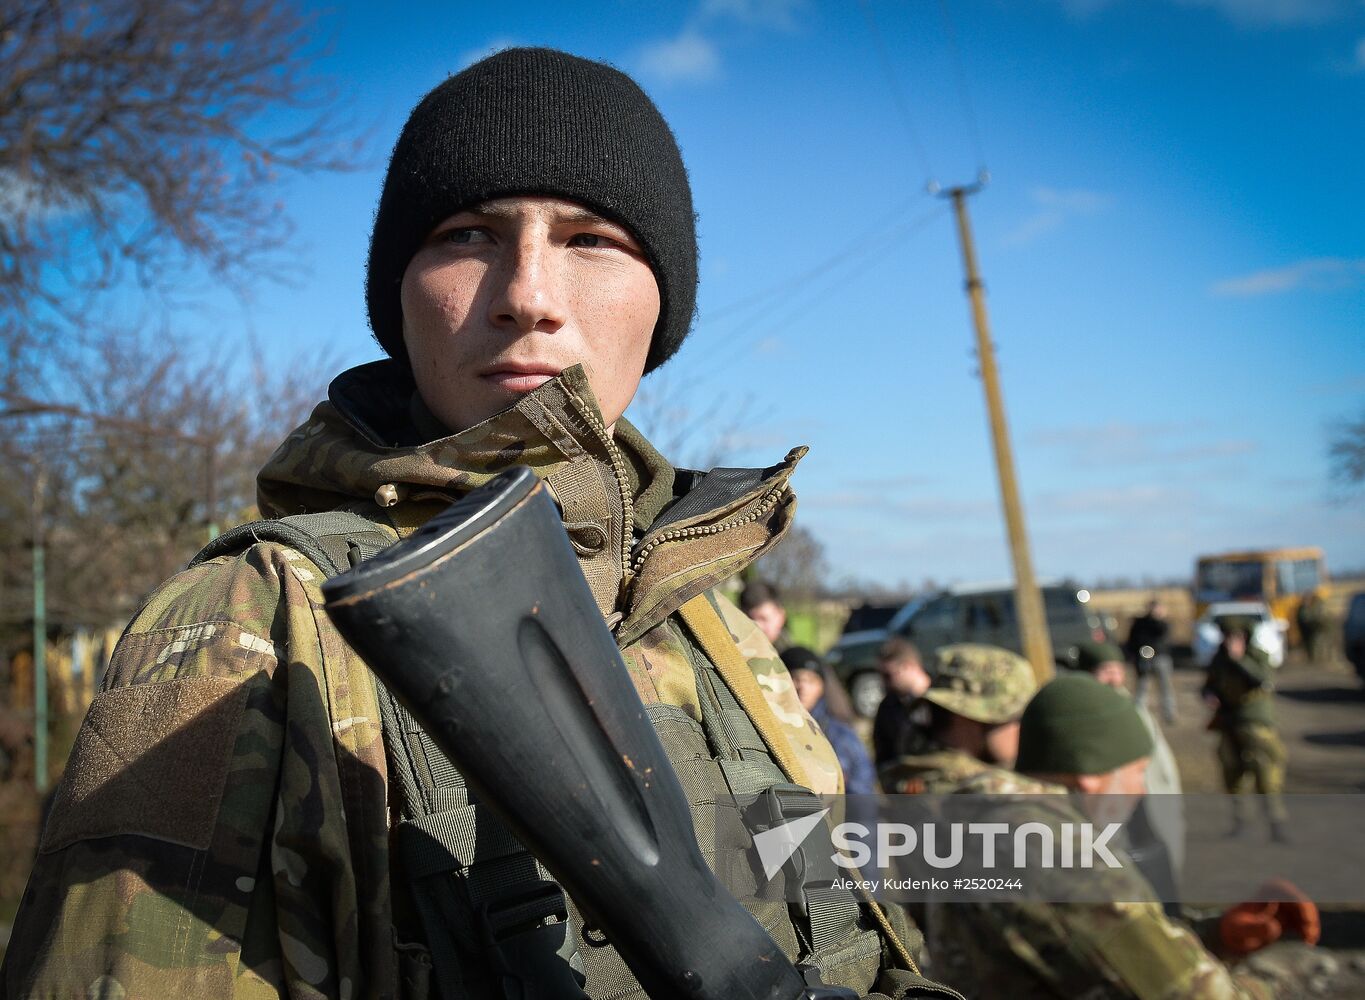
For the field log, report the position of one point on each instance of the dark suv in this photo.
(1353, 633)
(961, 614)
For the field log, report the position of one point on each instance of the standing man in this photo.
(1149, 648)
(761, 602)
(1315, 628)
(901, 726)
(975, 700)
(1158, 830)
(1240, 690)
(1075, 736)
(246, 812)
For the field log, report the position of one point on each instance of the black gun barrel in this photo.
(482, 624)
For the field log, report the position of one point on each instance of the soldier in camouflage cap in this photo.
(243, 814)
(1086, 736)
(976, 697)
(982, 683)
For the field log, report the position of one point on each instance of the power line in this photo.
(963, 91)
(856, 247)
(792, 309)
(894, 88)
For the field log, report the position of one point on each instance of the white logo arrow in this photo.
(776, 846)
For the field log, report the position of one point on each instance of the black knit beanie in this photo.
(538, 122)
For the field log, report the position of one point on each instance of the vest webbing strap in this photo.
(719, 645)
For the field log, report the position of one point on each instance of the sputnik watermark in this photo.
(1054, 848)
(1029, 845)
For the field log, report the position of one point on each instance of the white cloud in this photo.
(781, 14)
(689, 58)
(1052, 208)
(1315, 274)
(1124, 445)
(1244, 13)
(1273, 13)
(470, 56)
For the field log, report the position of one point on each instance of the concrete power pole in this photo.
(1028, 601)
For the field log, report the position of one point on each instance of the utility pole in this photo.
(1028, 601)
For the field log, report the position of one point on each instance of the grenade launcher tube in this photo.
(482, 623)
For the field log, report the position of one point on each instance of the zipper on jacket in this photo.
(765, 503)
(622, 483)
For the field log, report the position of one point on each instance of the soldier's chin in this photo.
(1103, 808)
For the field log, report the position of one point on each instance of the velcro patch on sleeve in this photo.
(150, 760)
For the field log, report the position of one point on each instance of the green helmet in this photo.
(983, 683)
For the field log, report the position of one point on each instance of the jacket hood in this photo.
(362, 450)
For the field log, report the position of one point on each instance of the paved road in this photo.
(1321, 715)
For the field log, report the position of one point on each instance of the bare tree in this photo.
(1346, 452)
(124, 488)
(796, 565)
(692, 426)
(139, 139)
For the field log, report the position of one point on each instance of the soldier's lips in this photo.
(519, 381)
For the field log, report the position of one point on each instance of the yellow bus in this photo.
(1279, 577)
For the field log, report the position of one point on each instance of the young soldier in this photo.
(1239, 689)
(975, 699)
(1081, 736)
(235, 819)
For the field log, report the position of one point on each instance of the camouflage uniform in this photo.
(1070, 951)
(1245, 720)
(979, 682)
(224, 824)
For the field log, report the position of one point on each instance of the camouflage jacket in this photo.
(1125, 950)
(937, 771)
(1244, 688)
(222, 829)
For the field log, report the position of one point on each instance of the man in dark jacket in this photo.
(1148, 647)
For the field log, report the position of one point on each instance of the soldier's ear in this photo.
(1092, 784)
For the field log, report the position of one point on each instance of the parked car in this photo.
(1267, 633)
(983, 613)
(1353, 633)
(868, 616)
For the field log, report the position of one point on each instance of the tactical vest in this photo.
(493, 923)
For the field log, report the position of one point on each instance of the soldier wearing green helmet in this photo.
(976, 697)
(1076, 735)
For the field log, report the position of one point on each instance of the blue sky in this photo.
(1172, 244)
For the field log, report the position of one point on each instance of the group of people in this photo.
(975, 722)
(247, 812)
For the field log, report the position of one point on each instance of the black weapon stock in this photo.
(482, 623)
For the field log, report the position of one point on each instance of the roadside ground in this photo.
(1321, 715)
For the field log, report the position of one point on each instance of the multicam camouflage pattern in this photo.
(1065, 951)
(223, 825)
(1249, 744)
(938, 771)
(984, 683)
(1254, 750)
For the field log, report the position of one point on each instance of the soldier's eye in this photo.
(464, 235)
(591, 240)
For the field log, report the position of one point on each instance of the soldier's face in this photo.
(504, 296)
(1002, 743)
